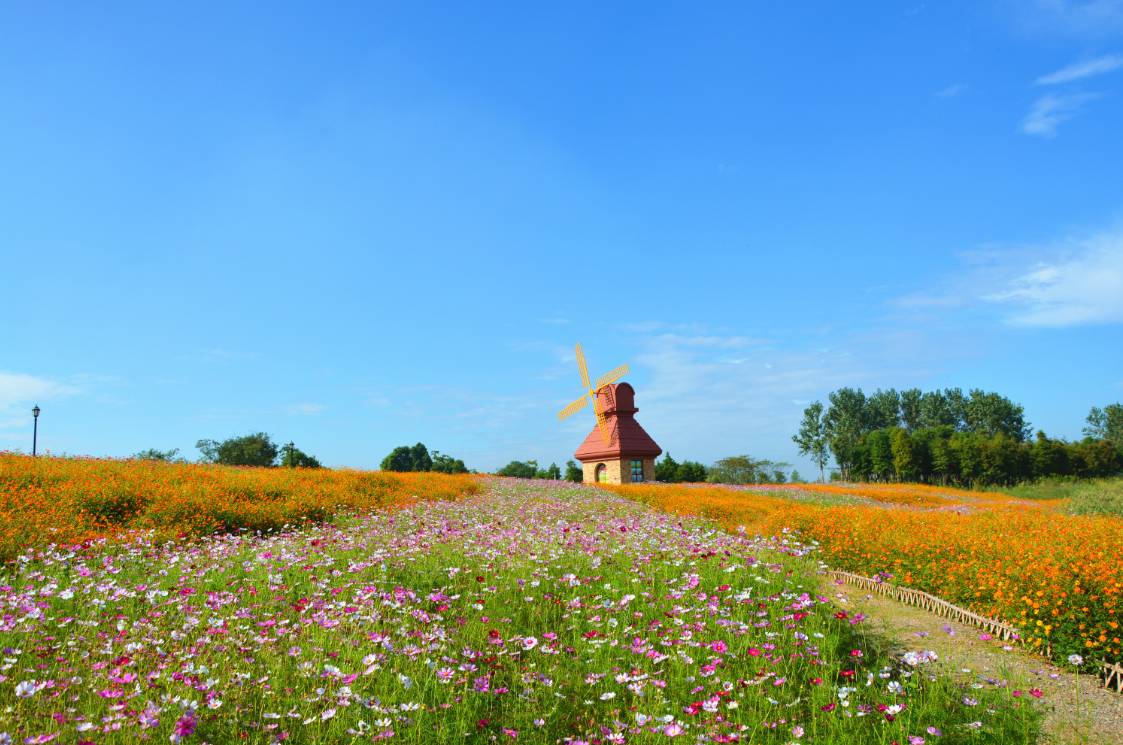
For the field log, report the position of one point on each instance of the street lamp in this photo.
(35, 431)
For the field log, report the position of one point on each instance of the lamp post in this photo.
(35, 430)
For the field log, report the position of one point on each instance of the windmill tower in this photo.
(618, 450)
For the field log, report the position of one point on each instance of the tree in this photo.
(249, 450)
(743, 469)
(573, 472)
(795, 478)
(666, 469)
(736, 469)
(904, 454)
(942, 458)
(166, 456)
(1049, 457)
(520, 469)
(296, 458)
(1106, 424)
(690, 472)
(935, 410)
(844, 424)
(812, 436)
(991, 414)
(881, 454)
(399, 459)
(553, 472)
(911, 407)
(421, 459)
(447, 464)
(405, 458)
(883, 409)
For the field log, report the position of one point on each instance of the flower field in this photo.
(1057, 577)
(70, 500)
(533, 611)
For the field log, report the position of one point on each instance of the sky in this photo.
(368, 224)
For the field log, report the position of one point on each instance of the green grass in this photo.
(1094, 497)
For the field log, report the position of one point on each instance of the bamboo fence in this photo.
(1111, 675)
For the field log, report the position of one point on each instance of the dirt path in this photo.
(1076, 709)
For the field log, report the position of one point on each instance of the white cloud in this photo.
(18, 393)
(1050, 110)
(304, 409)
(19, 389)
(950, 91)
(1081, 70)
(1072, 18)
(1082, 284)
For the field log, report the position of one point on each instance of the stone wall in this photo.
(617, 470)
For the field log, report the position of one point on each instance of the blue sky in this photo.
(377, 224)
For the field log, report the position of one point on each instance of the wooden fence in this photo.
(1111, 676)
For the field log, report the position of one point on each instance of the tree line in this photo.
(418, 458)
(948, 437)
(257, 449)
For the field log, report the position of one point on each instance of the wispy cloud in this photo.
(1050, 110)
(950, 91)
(1082, 285)
(304, 409)
(20, 389)
(1070, 282)
(1070, 18)
(19, 392)
(1081, 70)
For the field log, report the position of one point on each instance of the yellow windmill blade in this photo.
(612, 376)
(574, 407)
(584, 368)
(602, 424)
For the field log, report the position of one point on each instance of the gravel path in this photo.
(1077, 709)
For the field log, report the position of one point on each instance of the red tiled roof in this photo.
(617, 403)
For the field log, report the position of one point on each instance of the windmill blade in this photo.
(611, 376)
(605, 432)
(574, 407)
(584, 368)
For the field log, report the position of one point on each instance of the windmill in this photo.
(591, 391)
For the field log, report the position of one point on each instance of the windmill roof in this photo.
(627, 437)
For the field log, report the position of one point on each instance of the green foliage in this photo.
(553, 472)
(915, 435)
(690, 472)
(573, 472)
(1086, 497)
(447, 464)
(795, 478)
(904, 454)
(812, 436)
(666, 469)
(294, 457)
(249, 450)
(520, 469)
(945, 456)
(1106, 424)
(405, 458)
(669, 470)
(744, 469)
(165, 456)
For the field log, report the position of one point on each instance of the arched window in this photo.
(598, 474)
